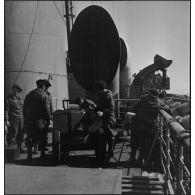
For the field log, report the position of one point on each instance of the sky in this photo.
(150, 28)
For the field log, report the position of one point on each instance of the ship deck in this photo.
(79, 176)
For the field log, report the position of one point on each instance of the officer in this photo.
(105, 109)
(37, 116)
(14, 116)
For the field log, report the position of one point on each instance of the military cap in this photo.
(39, 81)
(153, 91)
(17, 87)
(47, 83)
(99, 85)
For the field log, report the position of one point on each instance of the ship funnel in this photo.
(125, 70)
(94, 49)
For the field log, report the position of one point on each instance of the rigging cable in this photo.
(28, 44)
(113, 9)
(59, 12)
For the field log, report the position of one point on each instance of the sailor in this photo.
(14, 117)
(105, 109)
(37, 116)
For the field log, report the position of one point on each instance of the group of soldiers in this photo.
(35, 112)
(31, 115)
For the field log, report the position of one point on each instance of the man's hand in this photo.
(7, 123)
(100, 113)
(86, 138)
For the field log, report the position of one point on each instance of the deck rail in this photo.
(175, 148)
(175, 154)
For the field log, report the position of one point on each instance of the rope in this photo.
(31, 71)
(113, 9)
(59, 12)
(28, 44)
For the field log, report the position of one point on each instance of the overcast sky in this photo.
(153, 27)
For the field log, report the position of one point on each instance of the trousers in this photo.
(15, 132)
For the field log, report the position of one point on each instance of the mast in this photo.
(69, 23)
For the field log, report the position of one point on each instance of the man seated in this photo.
(87, 106)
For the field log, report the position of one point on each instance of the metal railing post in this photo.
(179, 169)
(160, 125)
(167, 167)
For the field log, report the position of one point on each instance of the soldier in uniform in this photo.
(14, 116)
(105, 109)
(87, 106)
(144, 125)
(37, 116)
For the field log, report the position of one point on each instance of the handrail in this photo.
(177, 128)
(173, 158)
(179, 99)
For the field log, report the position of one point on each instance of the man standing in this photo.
(105, 109)
(37, 116)
(144, 126)
(14, 117)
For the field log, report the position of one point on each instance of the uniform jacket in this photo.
(106, 105)
(14, 107)
(50, 102)
(36, 106)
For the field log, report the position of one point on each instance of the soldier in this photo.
(144, 125)
(105, 109)
(14, 117)
(37, 116)
(87, 106)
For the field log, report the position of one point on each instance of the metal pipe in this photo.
(177, 129)
(67, 21)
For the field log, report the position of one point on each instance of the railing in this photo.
(174, 148)
(175, 154)
(178, 99)
(124, 105)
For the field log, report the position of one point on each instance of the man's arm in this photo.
(47, 107)
(109, 104)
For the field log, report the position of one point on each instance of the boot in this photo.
(43, 154)
(29, 156)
